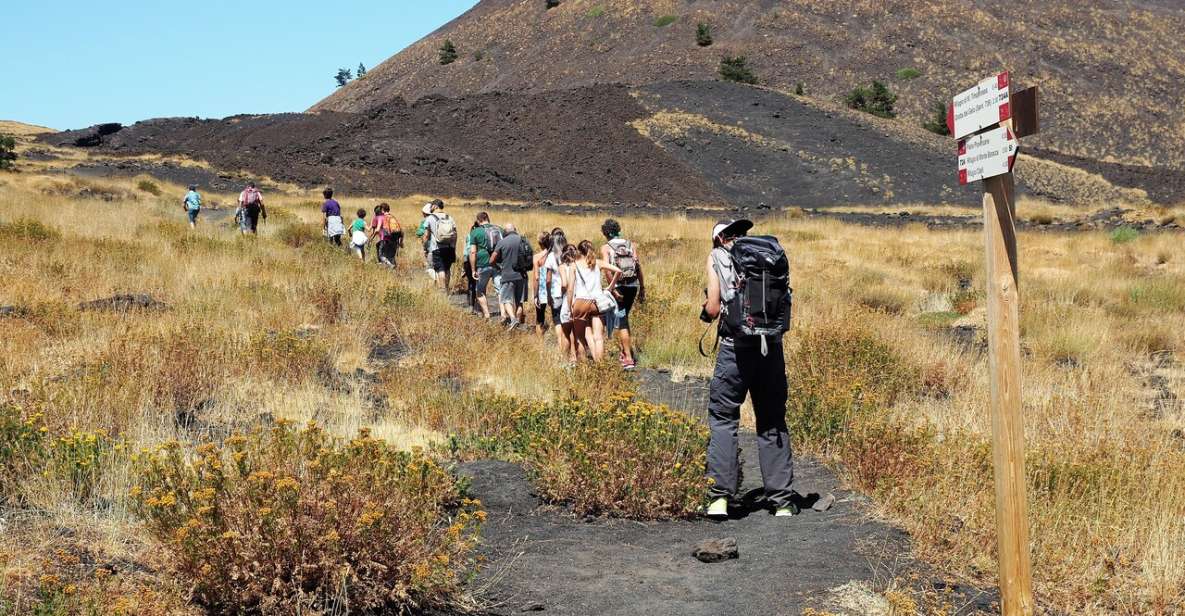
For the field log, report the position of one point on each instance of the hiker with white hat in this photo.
(748, 289)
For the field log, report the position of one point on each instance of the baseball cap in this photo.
(735, 228)
(427, 209)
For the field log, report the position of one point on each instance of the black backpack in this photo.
(526, 261)
(762, 297)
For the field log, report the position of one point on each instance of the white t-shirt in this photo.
(588, 282)
(551, 264)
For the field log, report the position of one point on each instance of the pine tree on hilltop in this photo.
(361, 70)
(877, 100)
(7, 152)
(343, 76)
(448, 52)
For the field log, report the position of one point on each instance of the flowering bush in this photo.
(292, 521)
(73, 461)
(621, 457)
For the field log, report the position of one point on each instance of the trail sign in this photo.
(986, 155)
(987, 104)
(988, 120)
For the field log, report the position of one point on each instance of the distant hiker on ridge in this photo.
(251, 208)
(192, 204)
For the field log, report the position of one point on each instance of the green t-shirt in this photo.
(359, 225)
(478, 238)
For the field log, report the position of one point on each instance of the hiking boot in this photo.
(718, 508)
(786, 511)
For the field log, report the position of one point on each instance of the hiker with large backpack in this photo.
(394, 233)
(749, 290)
(512, 256)
(251, 209)
(442, 244)
(630, 287)
(483, 238)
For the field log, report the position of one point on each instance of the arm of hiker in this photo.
(712, 305)
(641, 281)
(494, 257)
(614, 272)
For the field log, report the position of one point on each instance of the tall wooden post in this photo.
(1008, 460)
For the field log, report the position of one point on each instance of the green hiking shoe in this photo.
(718, 508)
(787, 511)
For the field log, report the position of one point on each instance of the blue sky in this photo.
(73, 63)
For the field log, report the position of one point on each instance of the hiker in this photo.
(630, 286)
(442, 244)
(251, 209)
(545, 284)
(482, 239)
(750, 361)
(467, 263)
(590, 300)
(358, 237)
(512, 256)
(394, 233)
(192, 204)
(554, 279)
(422, 232)
(377, 234)
(570, 347)
(335, 228)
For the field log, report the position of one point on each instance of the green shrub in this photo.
(479, 55)
(703, 35)
(1123, 235)
(298, 235)
(841, 373)
(293, 521)
(149, 187)
(27, 229)
(736, 69)
(619, 457)
(551, 4)
(1161, 294)
(448, 53)
(800, 89)
(937, 121)
(908, 73)
(877, 100)
(7, 152)
(664, 21)
(596, 11)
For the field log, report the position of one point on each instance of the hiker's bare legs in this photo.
(596, 339)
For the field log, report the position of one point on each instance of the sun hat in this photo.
(427, 209)
(734, 228)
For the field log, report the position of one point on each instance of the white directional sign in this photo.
(986, 155)
(985, 105)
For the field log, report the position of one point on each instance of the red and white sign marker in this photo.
(986, 155)
(987, 104)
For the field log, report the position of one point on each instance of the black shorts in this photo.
(541, 314)
(443, 258)
(514, 292)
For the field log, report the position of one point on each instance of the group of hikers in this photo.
(582, 292)
(589, 292)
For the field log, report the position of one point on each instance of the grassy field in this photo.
(888, 374)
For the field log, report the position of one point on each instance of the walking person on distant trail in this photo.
(394, 233)
(570, 347)
(748, 288)
(553, 278)
(467, 263)
(251, 209)
(512, 256)
(442, 245)
(335, 228)
(545, 284)
(358, 237)
(482, 239)
(192, 204)
(630, 287)
(422, 233)
(590, 300)
(376, 234)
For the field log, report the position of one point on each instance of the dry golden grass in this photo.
(258, 328)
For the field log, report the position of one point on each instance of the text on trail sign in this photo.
(986, 155)
(984, 105)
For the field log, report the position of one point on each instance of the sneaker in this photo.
(788, 511)
(512, 325)
(628, 364)
(718, 508)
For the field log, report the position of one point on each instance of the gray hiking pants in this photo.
(741, 371)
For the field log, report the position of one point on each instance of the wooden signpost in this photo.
(987, 151)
